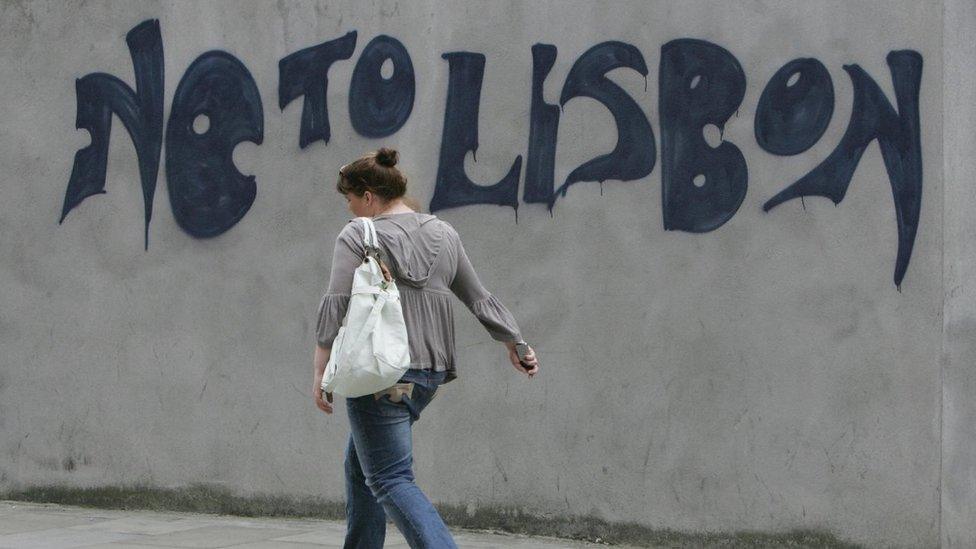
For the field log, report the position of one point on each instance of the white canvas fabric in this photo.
(371, 351)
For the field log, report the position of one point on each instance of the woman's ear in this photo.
(367, 197)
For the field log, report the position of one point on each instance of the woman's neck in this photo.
(394, 207)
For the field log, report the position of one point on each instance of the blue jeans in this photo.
(379, 473)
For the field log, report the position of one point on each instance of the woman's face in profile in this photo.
(357, 204)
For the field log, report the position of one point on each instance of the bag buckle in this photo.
(374, 252)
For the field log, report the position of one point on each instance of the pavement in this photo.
(47, 526)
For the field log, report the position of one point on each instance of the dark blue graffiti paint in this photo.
(702, 187)
(306, 72)
(634, 155)
(99, 95)
(873, 117)
(378, 107)
(460, 135)
(791, 117)
(207, 193)
(540, 163)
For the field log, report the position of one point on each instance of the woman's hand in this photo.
(530, 359)
(319, 360)
(323, 401)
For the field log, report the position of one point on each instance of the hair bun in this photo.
(387, 157)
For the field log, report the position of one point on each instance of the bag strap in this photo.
(369, 233)
(372, 243)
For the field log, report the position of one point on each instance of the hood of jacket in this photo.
(414, 242)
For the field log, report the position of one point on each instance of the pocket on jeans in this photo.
(388, 400)
(386, 403)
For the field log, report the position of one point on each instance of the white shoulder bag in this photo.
(371, 351)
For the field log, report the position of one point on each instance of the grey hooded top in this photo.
(427, 260)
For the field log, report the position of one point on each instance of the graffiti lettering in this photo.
(453, 188)
(306, 72)
(795, 108)
(898, 134)
(540, 164)
(207, 193)
(634, 155)
(378, 106)
(701, 187)
(701, 86)
(100, 95)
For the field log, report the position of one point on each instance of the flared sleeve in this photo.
(487, 308)
(346, 256)
(332, 309)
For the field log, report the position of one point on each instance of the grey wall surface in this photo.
(766, 375)
(959, 260)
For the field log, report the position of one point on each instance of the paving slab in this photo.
(127, 545)
(13, 523)
(332, 531)
(49, 526)
(271, 544)
(208, 537)
(57, 537)
(142, 525)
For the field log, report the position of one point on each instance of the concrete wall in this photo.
(959, 272)
(764, 374)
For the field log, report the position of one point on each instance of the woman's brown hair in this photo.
(375, 172)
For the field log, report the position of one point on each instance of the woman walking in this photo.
(426, 258)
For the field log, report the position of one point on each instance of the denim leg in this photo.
(381, 431)
(365, 517)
